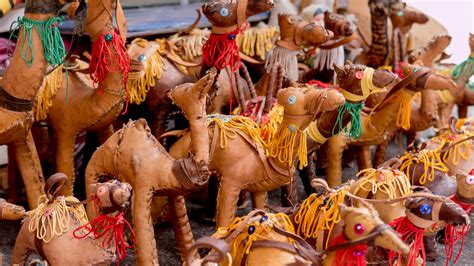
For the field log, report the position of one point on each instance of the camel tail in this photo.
(181, 226)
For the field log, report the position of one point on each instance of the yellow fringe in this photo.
(268, 130)
(263, 231)
(390, 182)
(314, 216)
(192, 43)
(51, 219)
(404, 110)
(229, 125)
(285, 143)
(46, 94)
(431, 161)
(458, 152)
(314, 134)
(445, 96)
(257, 41)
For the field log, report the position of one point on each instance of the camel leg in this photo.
(412, 137)
(146, 253)
(462, 111)
(363, 158)
(379, 157)
(227, 197)
(65, 158)
(289, 195)
(182, 228)
(308, 173)
(334, 155)
(259, 200)
(30, 169)
(106, 134)
(12, 174)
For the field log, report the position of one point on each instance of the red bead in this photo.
(359, 75)
(359, 229)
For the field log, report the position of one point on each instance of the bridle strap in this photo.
(338, 43)
(378, 230)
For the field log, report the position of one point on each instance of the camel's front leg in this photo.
(65, 158)
(259, 200)
(227, 198)
(334, 155)
(146, 253)
(181, 226)
(30, 168)
(364, 160)
(379, 157)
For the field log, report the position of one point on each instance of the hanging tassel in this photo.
(220, 51)
(353, 109)
(109, 55)
(353, 255)
(452, 236)
(408, 232)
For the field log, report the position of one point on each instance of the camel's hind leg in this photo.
(379, 157)
(30, 168)
(259, 200)
(181, 226)
(334, 155)
(227, 198)
(143, 226)
(364, 160)
(65, 158)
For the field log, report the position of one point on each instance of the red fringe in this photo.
(221, 50)
(408, 232)
(348, 257)
(109, 57)
(452, 236)
(465, 206)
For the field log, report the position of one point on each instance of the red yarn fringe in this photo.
(112, 228)
(221, 50)
(465, 206)
(354, 255)
(452, 236)
(408, 232)
(108, 57)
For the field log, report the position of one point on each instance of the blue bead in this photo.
(292, 99)
(400, 13)
(224, 12)
(108, 37)
(425, 209)
(251, 229)
(232, 36)
(292, 128)
(263, 219)
(141, 58)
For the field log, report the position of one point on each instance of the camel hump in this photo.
(141, 124)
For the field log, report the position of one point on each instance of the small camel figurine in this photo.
(465, 190)
(53, 226)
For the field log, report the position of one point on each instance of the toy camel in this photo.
(276, 242)
(167, 176)
(20, 83)
(465, 190)
(53, 226)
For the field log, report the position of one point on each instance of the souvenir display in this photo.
(162, 130)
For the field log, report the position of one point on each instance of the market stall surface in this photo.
(168, 252)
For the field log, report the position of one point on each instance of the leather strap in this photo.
(215, 244)
(338, 43)
(43, 6)
(464, 199)
(179, 61)
(288, 45)
(12, 103)
(56, 182)
(417, 221)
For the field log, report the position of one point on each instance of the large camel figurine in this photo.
(133, 153)
(276, 242)
(78, 106)
(53, 230)
(20, 83)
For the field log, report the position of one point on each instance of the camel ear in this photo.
(202, 86)
(339, 70)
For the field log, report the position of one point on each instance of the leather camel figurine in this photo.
(60, 224)
(244, 161)
(271, 240)
(465, 190)
(22, 80)
(133, 152)
(379, 124)
(92, 103)
(10, 211)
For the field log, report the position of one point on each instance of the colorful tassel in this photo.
(408, 233)
(354, 255)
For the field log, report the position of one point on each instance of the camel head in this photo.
(49, 6)
(112, 194)
(352, 77)
(303, 105)
(403, 19)
(100, 9)
(139, 51)
(360, 222)
(433, 209)
(338, 24)
(427, 54)
(295, 31)
(465, 182)
(225, 13)
(191, 98)
(431, 80)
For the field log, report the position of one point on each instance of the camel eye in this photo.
(224, 12)
(470, 180)
(359, 229)
(101, 191)
(425, 209)
(292, 99)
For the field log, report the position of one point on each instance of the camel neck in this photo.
(23, 78)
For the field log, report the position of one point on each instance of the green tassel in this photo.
(53, 46)
(458, 71)
(354, 110)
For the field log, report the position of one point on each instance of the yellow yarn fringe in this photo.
(287, 139)
(404, 110)
(458, 152)
(44, 99)
(268, 130)
(229, 125)
(139, 83)
(391, 182)
(263, 231)
(314, 216)
(445, 96)
(192, 43)
(431, 161)
(257, 41)
(51, 219)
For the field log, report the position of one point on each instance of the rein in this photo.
(338, 43)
